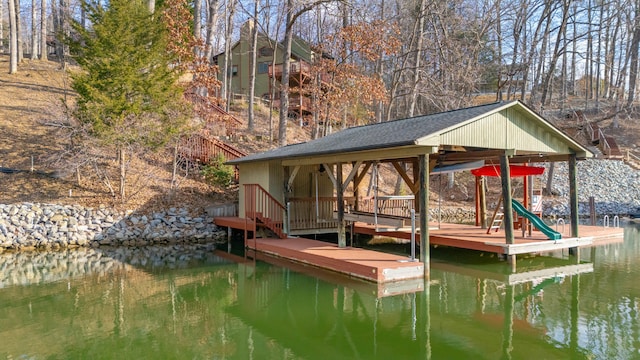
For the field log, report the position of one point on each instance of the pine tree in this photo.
(127, 90)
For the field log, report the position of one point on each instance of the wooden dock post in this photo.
(342, 237)
(505, 176)
(424, 213)
(573, 200)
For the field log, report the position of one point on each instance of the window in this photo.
(265, 51)
(234, 70)
(263, 67)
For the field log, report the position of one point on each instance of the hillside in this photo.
(31, 99)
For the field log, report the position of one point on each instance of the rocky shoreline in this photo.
(39, 267)
(31, 226)
(614, 185)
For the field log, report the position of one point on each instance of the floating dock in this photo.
(383, 267)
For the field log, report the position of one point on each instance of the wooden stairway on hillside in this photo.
(606, 143)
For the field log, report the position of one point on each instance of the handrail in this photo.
(631, 156)
(591, 131)
(260, 206)
(603, 141)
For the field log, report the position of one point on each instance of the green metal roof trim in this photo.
(391, 134)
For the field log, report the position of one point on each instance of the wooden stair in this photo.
(606, 143)
(264, 210)
(275, 226)
(632, 160)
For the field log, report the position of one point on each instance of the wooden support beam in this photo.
(342, 236)
(471, 155)
(352, 174)
(573, 196)
(505, 175)
(359, 177)
(483, 202)
(424, 213)
(292, 176)
(329, 170)
(403, 173)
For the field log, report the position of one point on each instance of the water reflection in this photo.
(197, 302)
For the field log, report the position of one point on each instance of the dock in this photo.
(355, 262)
(475, 238)
(380, 267)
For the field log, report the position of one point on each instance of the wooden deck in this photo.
(474, 238)
(378, 290)
(360, 263)
(382, 267)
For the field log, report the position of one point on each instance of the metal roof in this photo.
(391, 134)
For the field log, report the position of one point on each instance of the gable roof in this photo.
(433, 130)
(300, 49)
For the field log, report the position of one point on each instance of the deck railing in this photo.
(309, 213)
(388, 205)
(262, 208)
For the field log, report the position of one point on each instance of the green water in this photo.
(190, 303)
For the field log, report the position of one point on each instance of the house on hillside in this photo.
(302, 57)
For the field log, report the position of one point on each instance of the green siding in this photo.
(241, 53)
(507, 129)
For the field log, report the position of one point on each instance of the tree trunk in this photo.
(228, 56)
(547, 189)
(34, 31)
(197, 23)
(379, 105)
(212, 20)
(1, 26)
(418, 30)
(284, 86)
(19, 31)
(44, 50)
(633, 67)
(13, 38)
(252, 65)
(123, 173)
(556, 52)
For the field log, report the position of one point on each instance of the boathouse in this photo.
(313, 187)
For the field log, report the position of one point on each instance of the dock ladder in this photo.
(497, 218)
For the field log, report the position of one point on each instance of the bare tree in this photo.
(635, 43)
(44, 50)
(228, 55)
(13, 38)
(17, 14)
(419, 29)
(252, 64)
(211, 23)
(34, 31)
(557, 51)
(197, 14)
(291, 16)
(1, 25)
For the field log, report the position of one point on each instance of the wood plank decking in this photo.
(360, 263)
(474, 238)
(384, 268)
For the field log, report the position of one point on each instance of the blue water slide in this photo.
(535, 220)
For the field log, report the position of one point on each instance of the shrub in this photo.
(217, 173)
